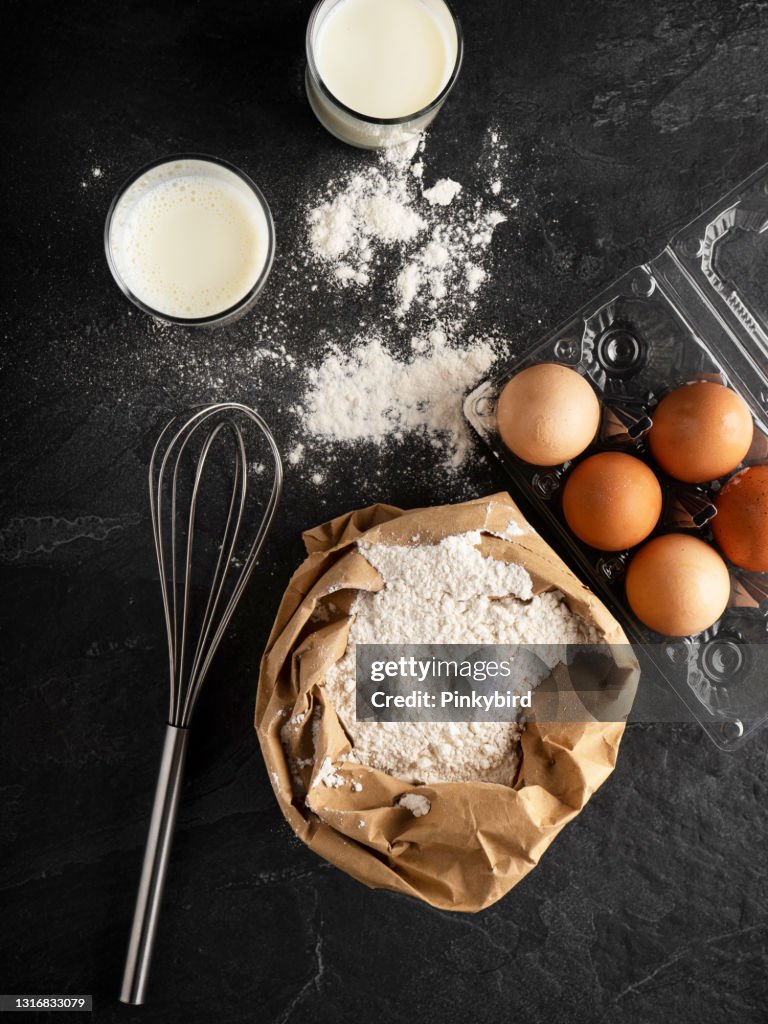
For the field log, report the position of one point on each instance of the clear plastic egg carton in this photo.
(697, 311)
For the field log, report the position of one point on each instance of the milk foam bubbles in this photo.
(190, 239)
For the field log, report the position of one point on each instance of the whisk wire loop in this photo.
(189, 664)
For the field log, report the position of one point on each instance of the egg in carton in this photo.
(674, 357)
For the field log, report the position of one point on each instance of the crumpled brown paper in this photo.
(478, 839)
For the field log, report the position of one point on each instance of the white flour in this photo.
(439, 236)
(417, 804)
(370, 209)
(443, 193)
(447, 593)
(365, 393)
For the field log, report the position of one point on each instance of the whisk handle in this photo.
(156, 855)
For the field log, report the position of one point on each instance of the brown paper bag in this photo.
(478, 839)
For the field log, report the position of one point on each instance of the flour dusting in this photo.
(367, 393)
(435, 240)
(434, 594)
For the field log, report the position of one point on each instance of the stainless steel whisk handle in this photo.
(156, 856)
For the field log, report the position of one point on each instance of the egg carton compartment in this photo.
(654, 329)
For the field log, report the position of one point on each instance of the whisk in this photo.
(184, 464)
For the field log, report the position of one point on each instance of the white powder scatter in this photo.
(348, 275)
(437, 269)
(475, 277)
(367, 393)
(436, 255)
(401, 155)
(496, 187)
(389, 219)
(511, 530)
(417, 804)
(92, 177)
(442, 193)
(371, 208)
(376, 221)
(332, 228)
(483, 233)
(357, 787)
(437, 594)
(296, 454)
(408, 284)
(328, 775)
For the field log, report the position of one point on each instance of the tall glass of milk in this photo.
(378, 71)
(190, 240)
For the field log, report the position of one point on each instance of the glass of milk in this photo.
(378, 71)
(190, 240)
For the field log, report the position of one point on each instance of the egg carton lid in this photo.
(713, 271)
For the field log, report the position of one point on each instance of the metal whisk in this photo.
(185, 463)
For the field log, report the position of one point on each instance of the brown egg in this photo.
(678, 585)
(612, 501)
(741, 524)
(547, 414)
(700, 432)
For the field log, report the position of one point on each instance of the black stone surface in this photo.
(624, 120)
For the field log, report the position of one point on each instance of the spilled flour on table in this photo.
(368, 393)
(382, 247)
(438, 236)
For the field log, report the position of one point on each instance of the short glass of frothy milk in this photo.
(378, 71)
(190, 240)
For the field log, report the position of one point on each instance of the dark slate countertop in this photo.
(624, 120)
